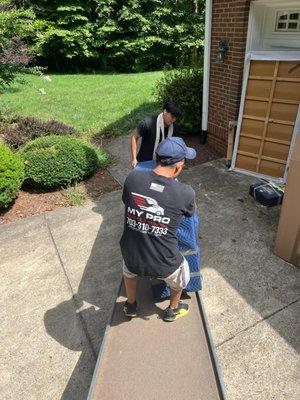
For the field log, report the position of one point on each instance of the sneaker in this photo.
(171, 315)
(130, 309)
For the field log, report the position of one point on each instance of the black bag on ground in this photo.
(266, 194)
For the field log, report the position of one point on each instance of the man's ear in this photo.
(179, 166)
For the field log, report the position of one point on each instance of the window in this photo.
(288, 21)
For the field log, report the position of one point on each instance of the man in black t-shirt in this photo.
(152, 130)
(154, 205)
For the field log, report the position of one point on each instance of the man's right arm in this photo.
(133, 146)
(190, 202)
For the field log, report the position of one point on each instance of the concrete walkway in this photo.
(60, 272)
(59, 275)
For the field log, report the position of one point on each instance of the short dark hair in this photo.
(165, 162)
(173, 108)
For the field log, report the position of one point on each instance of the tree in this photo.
(64, 32)
(126, 35)
(147, 34)
(15, 27)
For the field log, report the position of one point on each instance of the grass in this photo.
(103, 156)
(74, 196)
(93, 104)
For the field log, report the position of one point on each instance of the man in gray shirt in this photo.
(154, 205)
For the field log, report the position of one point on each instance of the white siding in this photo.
(262, 23)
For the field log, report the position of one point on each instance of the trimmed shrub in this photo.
(28, 128)
(59, 161)
(185, 87)
(11, 175)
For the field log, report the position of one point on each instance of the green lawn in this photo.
(93, 104)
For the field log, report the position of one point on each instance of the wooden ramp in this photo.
(147, 358)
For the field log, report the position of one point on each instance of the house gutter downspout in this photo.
(206, 67)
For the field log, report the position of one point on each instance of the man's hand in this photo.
(134, 162)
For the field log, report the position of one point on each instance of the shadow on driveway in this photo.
(93, 300)
(238, 238)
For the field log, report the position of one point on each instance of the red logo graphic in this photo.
(147, 204)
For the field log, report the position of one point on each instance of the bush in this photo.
(11, 175)
(184, 86)
(28, 128)
(59, 161)
(7, 117)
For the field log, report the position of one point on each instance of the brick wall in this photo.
(230, 21)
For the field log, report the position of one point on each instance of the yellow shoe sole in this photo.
(180, 314)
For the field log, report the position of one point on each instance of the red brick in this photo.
(229, 20)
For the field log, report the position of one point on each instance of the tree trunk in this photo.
(195, 50)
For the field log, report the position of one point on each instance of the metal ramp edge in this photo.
(209, 343)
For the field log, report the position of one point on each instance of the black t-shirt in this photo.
(147, 131)
(154, 206)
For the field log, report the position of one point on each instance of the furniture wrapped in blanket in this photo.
(267, 193)
(189, 247)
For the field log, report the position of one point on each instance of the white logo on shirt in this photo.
(157, 187)
(147, 204)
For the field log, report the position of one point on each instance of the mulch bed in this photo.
(100, 183)
(30, 203)
(204, 152)
(34, 202)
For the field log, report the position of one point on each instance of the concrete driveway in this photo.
(60, 272)
(59, 276)
(250, 295)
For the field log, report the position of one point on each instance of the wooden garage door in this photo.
(270, 110)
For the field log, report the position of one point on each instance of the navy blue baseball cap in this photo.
(173, 149)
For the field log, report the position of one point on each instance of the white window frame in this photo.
(287, 21)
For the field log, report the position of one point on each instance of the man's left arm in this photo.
(125, 190)
(133, 146)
